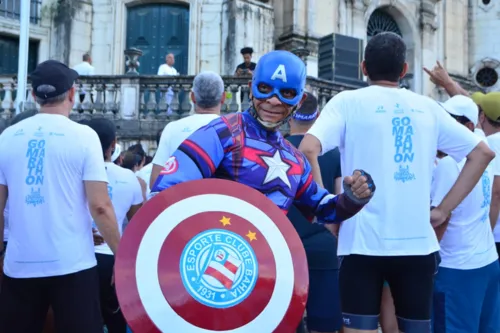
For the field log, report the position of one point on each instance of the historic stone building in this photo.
(207, 34)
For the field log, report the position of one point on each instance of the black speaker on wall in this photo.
(339, 59)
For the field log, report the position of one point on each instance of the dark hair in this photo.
(440, 154)
(84, 122)
(461, 119)
(308, 107)
(158, 137)
(131, 160)
(149, 159)
(86, 57)
(247, 50)
(106, 130)
(385, 56)
(3, 125)
(137, 149)
(23, 115)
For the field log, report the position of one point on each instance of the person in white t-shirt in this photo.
(168, 69)
(15, 120)
(467, 288)
(54, 175)
(489, 120)
(126, 195)
(208, 95)
(394, 133)
(85, 68)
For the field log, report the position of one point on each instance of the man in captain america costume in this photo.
(248, 148)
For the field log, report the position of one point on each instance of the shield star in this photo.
(276, 168)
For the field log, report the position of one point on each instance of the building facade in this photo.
(208, 34)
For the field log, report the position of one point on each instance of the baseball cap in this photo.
(462, 106)
(55, 74)
(105, 129)
(477, 97)
(490, 104)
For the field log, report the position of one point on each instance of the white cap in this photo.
(460, 105)
(116, 153)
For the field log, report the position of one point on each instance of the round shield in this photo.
(211, 256)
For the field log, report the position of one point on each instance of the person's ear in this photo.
(404, 71)
(363, 68)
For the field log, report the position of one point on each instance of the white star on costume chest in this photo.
(276, 168)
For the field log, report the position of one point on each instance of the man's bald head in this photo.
(170, 59)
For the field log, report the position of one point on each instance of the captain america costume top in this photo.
(237, 147)
(245, 148)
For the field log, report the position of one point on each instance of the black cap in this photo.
(105, 129)
(52, 73)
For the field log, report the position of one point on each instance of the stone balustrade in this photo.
(138, 104)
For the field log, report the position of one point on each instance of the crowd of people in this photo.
(395, 196)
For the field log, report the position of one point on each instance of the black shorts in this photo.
(498, 249)
(111, 312)
(411, 279)
(24, 303)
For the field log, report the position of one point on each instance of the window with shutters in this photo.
(380, 21)
(9, 55)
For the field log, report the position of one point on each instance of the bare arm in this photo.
(311, 147)
(441, 229)
(102, 212)
(155, 172)
(133, 209)
(144, 188)
(453, 88)
(495, 202)
(477, 161)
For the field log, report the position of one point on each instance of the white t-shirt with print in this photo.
(468, 241)
(125, 191)
(494, 143)
(176, 132)
(50, 231)
(393, 134)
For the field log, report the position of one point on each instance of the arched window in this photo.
(379, 22)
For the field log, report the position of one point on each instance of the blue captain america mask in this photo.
(281, 74)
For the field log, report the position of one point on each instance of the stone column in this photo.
(298, 36)
(428, 26)
(358, 18)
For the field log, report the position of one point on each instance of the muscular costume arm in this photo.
(196, 158)
(313, 200)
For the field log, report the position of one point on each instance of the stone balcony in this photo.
(137, 104)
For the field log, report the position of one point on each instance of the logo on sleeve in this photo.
(170, 167)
